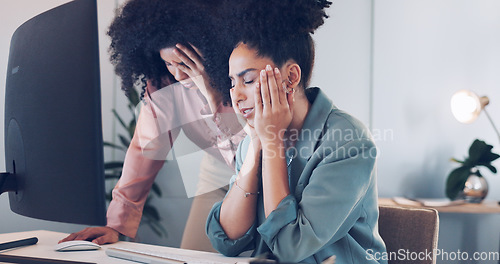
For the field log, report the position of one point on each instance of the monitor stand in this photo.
(7, 182)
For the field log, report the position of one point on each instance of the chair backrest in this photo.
(409, 234)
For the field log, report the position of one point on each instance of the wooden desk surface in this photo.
(47, 240)
(486, 207)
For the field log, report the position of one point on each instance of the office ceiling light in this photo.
(466, 107)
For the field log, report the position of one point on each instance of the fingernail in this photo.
(263, 73)
(269, 68)
(276, 70)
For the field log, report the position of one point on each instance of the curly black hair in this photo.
(280, 30)
(142, 28)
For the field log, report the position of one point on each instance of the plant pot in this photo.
(476, 188)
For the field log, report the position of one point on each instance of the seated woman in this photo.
(305, 183)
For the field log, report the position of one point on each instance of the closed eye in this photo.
(180, 63)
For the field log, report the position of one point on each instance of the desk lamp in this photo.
(466, 107)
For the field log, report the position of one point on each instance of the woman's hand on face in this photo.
(99, 235)
(273, 107)
(192, 65)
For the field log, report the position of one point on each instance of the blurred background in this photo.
(394, 64)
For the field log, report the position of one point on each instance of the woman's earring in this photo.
(287, 89)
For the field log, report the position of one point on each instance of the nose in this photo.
(238, 94)
(179, 75)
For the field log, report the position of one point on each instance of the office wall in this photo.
(424, 51)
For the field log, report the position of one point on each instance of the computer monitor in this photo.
(53, 128)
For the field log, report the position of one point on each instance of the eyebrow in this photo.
(244, 72)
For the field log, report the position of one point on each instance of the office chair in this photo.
(409, 231)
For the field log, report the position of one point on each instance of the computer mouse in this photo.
(76, 245)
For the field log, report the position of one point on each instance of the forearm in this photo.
(214, 100)
(210, 94)
(238, 210)
(275, 184)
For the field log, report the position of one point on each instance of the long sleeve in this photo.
(144, 158)
(326, 209)
(130, 193)
(214, 230)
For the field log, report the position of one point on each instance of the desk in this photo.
(486, 207)
(48, 239)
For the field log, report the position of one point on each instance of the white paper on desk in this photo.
(440, 202)
(431, 202)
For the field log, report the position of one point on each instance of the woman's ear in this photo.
(292, 74)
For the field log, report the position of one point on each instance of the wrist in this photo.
(213, 97)
(272, 144)
(256, 143)
(273, 149)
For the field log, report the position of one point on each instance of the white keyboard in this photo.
(163, 257)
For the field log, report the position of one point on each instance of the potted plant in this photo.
(466, 181)
(113, 169)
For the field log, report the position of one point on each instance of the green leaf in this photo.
(124, 140)
(156, 189)
(133, 97)
(120, 120)
(132, 109)
(131, 128)
(158, 228)
(112, 145)
(488, 157)
(489, 166)
(151, 213)
(477, 151)
(456, 181)
(113, 165)
(109, 176)
(155, 230)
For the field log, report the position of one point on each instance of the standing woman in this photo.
(166, 47)
(305, 183)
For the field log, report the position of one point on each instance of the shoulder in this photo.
(344, 136)
(346, 127)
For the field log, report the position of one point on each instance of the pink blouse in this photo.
(162, 115)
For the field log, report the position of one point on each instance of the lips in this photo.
(188, 85)
(246, 112)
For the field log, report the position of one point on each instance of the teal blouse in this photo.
(332, 208)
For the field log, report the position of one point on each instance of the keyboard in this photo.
(169, 256)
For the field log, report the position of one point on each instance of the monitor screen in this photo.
(53, 127)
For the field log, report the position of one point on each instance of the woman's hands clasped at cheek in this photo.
(273, 107)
